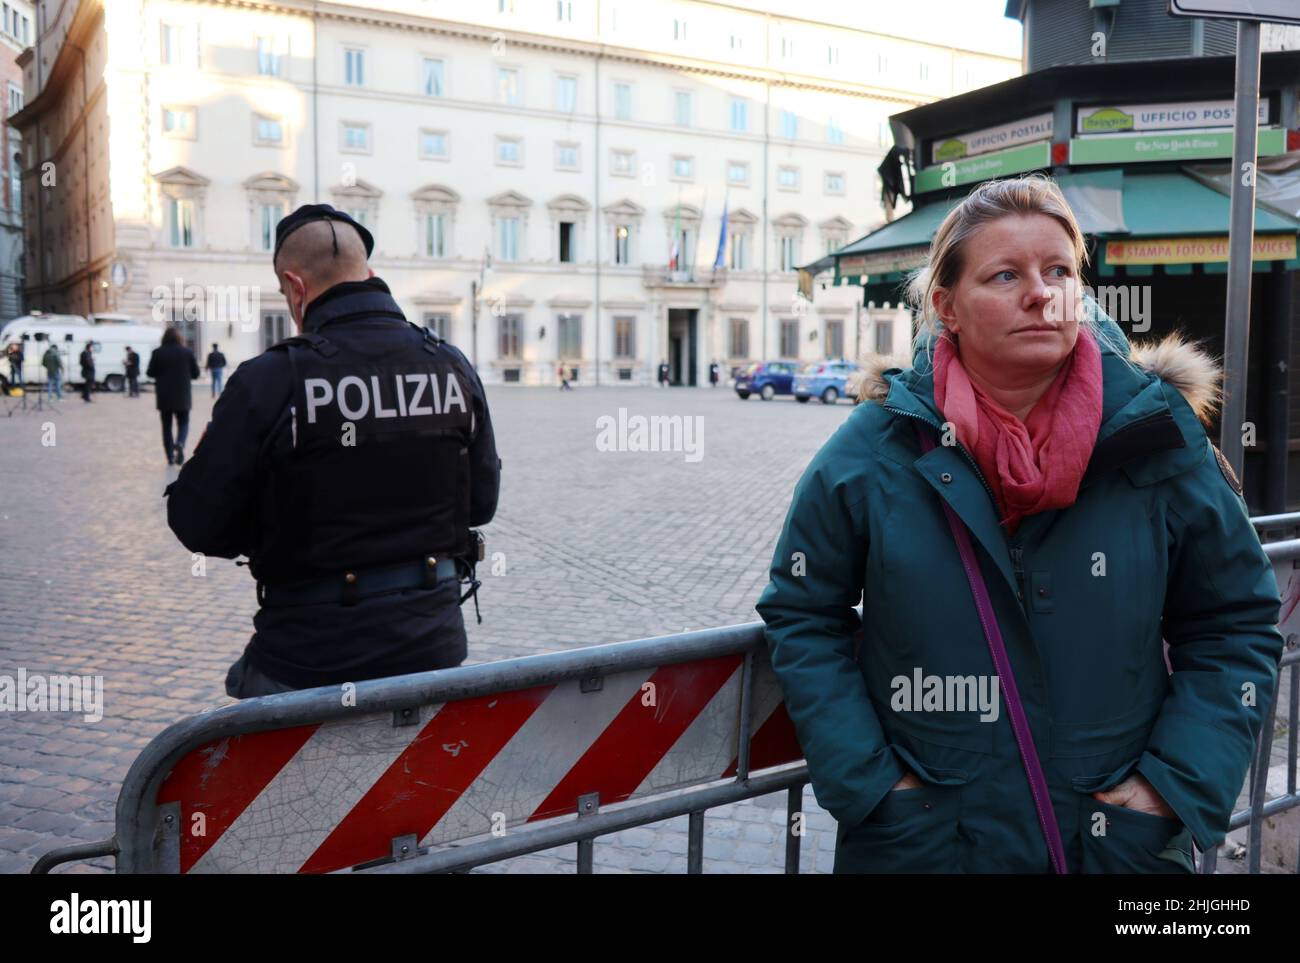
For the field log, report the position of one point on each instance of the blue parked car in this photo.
(767, 379)
(827, 380)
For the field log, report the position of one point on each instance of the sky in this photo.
(971, 24)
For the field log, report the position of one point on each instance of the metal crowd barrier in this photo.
(593, 741)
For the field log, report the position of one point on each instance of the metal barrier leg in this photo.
(1209, 861)
(793, 805)
(1258, 788)
(586, 850)
(66, 854)
(695, 843)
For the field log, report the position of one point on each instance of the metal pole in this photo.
(695, 843)
(1241, 241)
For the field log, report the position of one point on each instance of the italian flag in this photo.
(675, 254)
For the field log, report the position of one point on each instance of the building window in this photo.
(787, 47)
(789, 338)
(508, 238)
(15, 99)
(883, 134)
(832, 55)
(683, 168)
(435, 144)
(179, 122)
(170, 52)
(566, 94)
(510, 151)
(508, 336)
(740, 115)
(682, 108)
(884, 337)
(505, 6)
(354, 66)
(834, 182)
(623, 101)
(566, 157)
(834, 134)
(789, 124)
(180, 218)
(508, 86)
(268, 61)
(564, 11)
(567, 242)
(739, 256)
(834, 241)
(737, 173)
(679, 29)
(789, 252)
(439, 323)
(925, 71)
(622, 163)
(570, 335)
(435, 79)
(834, 339)
(356, 138)
(625, 337)
(739, 346)
(622, 245)
(269, 131)
(681, 250)
(735, 42)
(882, 63)
(435, 235)
(270, 217)
(787, 178)
(360, 215)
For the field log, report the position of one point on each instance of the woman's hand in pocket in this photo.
(1136, 792)
(909, 781)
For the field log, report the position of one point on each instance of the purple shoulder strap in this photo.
(998, 649)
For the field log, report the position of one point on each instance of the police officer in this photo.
(349, 463)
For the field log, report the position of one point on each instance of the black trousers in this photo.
(182, 429)
(86, 384)
(133, 384)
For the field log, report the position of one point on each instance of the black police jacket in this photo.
(353, 447)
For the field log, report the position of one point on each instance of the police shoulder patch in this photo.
(1225, 469)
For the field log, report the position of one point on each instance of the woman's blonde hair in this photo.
(990, 201)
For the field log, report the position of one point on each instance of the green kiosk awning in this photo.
(1108, 204)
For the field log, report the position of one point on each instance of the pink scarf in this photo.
(1035, 465)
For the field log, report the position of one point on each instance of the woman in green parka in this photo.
(1103, 520)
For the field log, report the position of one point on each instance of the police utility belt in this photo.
(347, 588)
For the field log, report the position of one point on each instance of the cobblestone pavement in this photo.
(599, 547)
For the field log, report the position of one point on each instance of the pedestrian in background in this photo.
(132, 373)
(173, 366)
(564, 382)
(216, 364)
(88, 371)
(53, 363)
(15, 355)
(714, 371)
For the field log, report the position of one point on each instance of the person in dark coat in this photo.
(173, 366)
(132, 373)
(87, 371)
(216, 365)
(1121, 527)
(357, 547)
(15, 354)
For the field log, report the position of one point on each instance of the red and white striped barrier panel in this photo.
(336, 794)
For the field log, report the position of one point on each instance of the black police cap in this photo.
(318, 212)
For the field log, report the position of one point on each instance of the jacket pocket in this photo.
(910, 830)
(1115, 839)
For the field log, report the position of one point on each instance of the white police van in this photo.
(69, 333)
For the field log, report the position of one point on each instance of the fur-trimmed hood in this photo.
(1174, 360)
